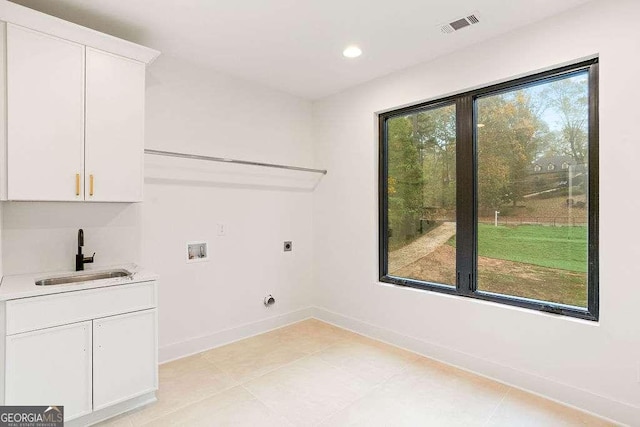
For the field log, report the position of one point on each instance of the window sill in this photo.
(575, 316)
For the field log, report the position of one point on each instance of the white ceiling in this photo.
(296, 45)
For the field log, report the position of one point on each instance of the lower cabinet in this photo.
(85, 366)
(124, 357)
(51, 367)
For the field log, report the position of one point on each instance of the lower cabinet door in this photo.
(125, 358)
(50, 367)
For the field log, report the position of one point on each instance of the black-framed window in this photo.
(465, 207)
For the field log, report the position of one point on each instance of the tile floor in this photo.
(312, 373)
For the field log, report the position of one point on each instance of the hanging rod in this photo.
(224, 160)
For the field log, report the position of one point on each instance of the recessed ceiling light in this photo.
(352, 52)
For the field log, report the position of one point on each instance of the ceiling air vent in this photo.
(459, 24)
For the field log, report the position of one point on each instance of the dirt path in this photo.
(504, 277)
(421, 247)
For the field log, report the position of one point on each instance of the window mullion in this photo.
(465, 177)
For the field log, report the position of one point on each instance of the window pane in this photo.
(532, 191)
(422, 195)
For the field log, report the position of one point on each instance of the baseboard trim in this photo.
(112, 411)
(600, 406)
(199, 344)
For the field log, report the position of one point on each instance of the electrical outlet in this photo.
(222, 229)
(288, 246)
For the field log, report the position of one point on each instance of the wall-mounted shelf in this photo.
(226, 160)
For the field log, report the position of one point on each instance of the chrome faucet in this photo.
(81, 260)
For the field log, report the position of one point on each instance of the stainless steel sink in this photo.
(85, 277)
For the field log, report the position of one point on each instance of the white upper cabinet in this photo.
(72, 101)
(45, 116)
(114, 128)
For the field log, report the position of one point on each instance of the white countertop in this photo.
(24, 285)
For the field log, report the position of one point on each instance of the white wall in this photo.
(43, 236)
(191, 109)
(591, 365)
(195, 111)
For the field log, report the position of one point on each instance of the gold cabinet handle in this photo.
(77, 184)
(91, 185)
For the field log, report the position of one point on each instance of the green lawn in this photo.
(554, 247)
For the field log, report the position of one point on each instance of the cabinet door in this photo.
(45, 116)
(125, 357)
(51, 367)
(114, 128)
